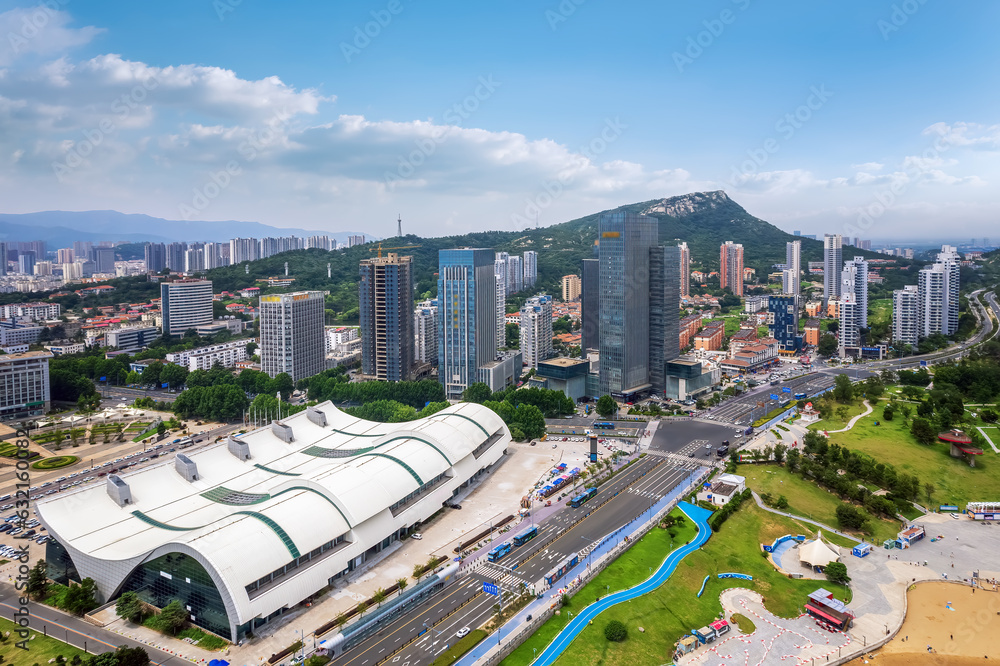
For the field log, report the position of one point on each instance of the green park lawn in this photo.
(835, 422)
(674, 609)
(807, 499)
(880, 311)
(40, 650)
(954, 481)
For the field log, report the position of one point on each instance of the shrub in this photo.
(615, 631)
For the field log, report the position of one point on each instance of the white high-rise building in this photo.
(213, 255)
(185, 304)
(530, 269)
(243, 249)
(536, 330)
(833, 259)
(791, 276)
(194, 261)
(515, 275)
(685, 269)
(938, 287)
(292, 334)
(501, 305)
(906, 315)
(854, 279)
(850, 313)
(425, 332)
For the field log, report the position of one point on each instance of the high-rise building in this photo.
(194, 261)
(71, 272)
(938, 287)
(530, 269)
(536, 330)
(590, 304)
(156, 257)
(664, 308)
(83, 250)
(783, 321)
(291, 334)
(175, 256)
(243, 249)
(849, 334)
(425, 332)
(515, 274)
(854, 279)
(185, 304)
(467, 327)
(213, 255)
(3, 259)
(355, 240)
(792, 275)
(104, 259)
(501, 300)
(731, 267)
(833, 258)
(26, 263)
(65, 256)
(906, 315)
(24, 384)
(386, 303)
(570, 288)
(685, 269)
(625, 242)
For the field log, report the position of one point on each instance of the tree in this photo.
(851, 517)
(606, 406)
(401, 584)
(843, 391)
(988, 415)
(161, 429)
(779, 452)
(922, 431)
(836, 572)
(512, 335)
(378, 597)
(38, 580)
(251, 348)
(478, 393)
(827, 345)
(129, 607)
(172, 617)
(928, 491)
(781, 502)
(615, 631)
(81, 599)
(283, 384)
(889, 412)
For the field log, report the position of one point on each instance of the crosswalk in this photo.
(502, 576)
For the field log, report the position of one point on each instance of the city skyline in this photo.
(339, 127)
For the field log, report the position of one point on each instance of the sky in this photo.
(873, 118)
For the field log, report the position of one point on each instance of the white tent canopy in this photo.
(816, 553)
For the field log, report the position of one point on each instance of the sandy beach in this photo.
(964, 634)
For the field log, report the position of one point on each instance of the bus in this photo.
(500, 551)
(525, 536)
(583, 497)
(560, 571)
(604, 425)
(800, 396)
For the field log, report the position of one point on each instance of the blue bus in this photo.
(585, 496)
(526, 536)
(560, 571)
(800, 396)
(500, 551)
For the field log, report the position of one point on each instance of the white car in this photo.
(463, 632)
(417, 535)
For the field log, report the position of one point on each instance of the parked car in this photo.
(417, 535)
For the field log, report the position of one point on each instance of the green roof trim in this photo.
(276, 528)
(223, 495)
(419, 439)
(275, 471)
(163, 526)
(463, 416)
(358, 434)
(321, 452)
(399, 462)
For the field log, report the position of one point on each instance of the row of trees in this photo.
(335, 385)
(523, 410)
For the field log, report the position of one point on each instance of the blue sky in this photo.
(239, 109)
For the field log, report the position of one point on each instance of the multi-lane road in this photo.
(630, 493)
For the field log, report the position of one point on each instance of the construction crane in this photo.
(380, 248)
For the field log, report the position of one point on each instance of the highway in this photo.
(569, 530)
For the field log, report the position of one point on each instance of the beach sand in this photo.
(966, 635)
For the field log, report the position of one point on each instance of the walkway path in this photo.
(552, 652)
(850, 424)
(987, 437)
(761, 504)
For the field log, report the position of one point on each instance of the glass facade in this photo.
(180, 576)
(664, 306)
(466, 316)
(59, 565)
(386, 304)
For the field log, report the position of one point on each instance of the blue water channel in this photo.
(659, 577)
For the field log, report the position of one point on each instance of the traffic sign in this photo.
(491, 588)
(774, 396)
(923, 364)
(786, 389)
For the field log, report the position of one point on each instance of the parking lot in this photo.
(745, 409)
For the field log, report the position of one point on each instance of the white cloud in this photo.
(966, 134)
(868, 166)
(39, 30)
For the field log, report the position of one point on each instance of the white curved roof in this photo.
(268, 507)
